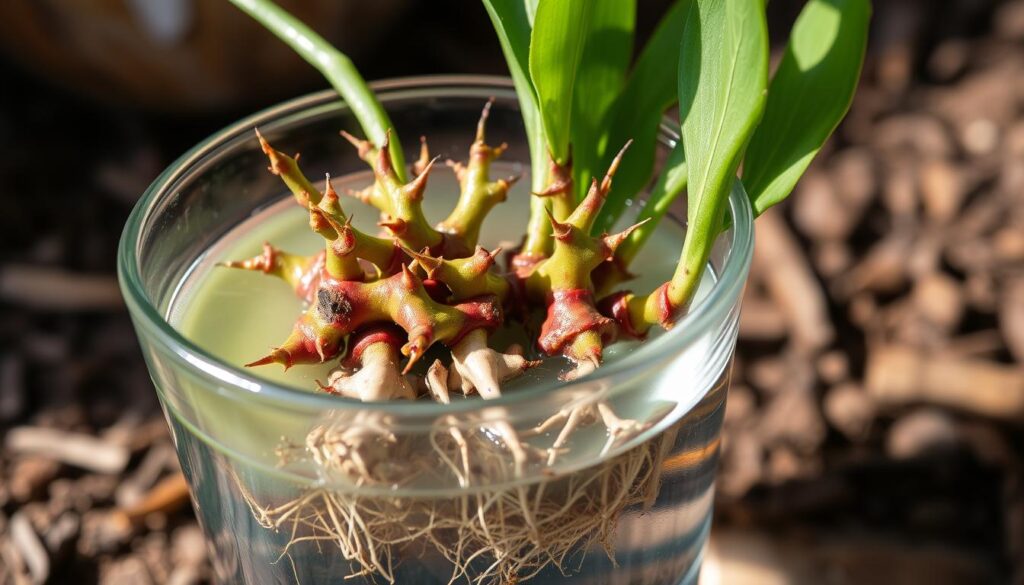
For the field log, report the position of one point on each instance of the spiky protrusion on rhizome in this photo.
(302, 273)
(478, 193)
(574, 327)
(400, 204)
(362, 281)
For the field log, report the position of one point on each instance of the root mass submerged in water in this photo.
(507, 533)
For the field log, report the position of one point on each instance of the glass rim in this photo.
(703, 316)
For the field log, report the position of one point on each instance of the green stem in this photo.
(335, 66)
(538, 229)
(671, 183)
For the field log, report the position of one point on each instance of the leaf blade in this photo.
(723, 76)
(813, 87)
(599, 80)
(638, 111)
(511, 22)
(556, 46)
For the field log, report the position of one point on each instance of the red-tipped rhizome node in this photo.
(400, 204)
(302, 273)
(573, 326)
(478, 194)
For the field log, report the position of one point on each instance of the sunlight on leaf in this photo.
(556, 47)
(637, 113)
(809, 95)
(599, 79)
(723, 73)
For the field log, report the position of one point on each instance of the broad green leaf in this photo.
(335, 66)
(511, 22)
(723, 74)
(599, 80)
(637, 113)
(670, 185)
(809, 95)
(531, 10)
(556, 46)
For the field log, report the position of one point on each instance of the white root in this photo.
(584, 413)
(476, 366)
(437, 386)
(500, 535)
(484, 366)
(582, 368)
(379, 377)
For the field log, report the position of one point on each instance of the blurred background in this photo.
(875, 427)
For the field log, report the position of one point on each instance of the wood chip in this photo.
(168, 495)
(921, 433)
(31, 549)
(130, 571)
(942, 189)
(818, 212)
(833, 367)
(133, 489)
(850, 410)
(1011, 317)
(30, 475)
(899, 375)
(780, 261)
(938, 298)
(63, 533)
(53, 289)
(883, 268)
(75, 449)
(761, 320)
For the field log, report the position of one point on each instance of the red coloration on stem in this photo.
(616, 306)
(666, 309)
(309, 282)
(436, 289)
(364, 338)
(522, 265)
(309, 343)
(571, 313)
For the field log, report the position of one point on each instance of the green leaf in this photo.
(671, 184)
(809, 95)
(556, 46)
(531, 10)
(599, 80)
(723, 74)
(333, 65)
(637, 113)
(511, 22)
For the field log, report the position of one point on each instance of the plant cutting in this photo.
(421, 310)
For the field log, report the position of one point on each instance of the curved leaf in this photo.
(599, 80)
(556, 46)
(333, 65)
(809, 95)
(511, 20)
(723, 73)
(649, 91)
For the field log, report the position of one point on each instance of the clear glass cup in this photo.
(262, 459)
